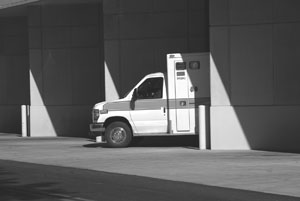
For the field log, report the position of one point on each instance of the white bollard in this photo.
(24, 120)
(202, 127)
(100, 139)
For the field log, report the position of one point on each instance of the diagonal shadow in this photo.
(26, 181)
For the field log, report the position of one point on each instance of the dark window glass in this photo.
(181, 66)
(151, 88)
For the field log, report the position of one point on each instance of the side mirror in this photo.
(134, 95)
(133, 99)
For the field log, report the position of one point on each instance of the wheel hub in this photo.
(118, 135)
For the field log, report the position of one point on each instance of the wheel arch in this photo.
(114, 119)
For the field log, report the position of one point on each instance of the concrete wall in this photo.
(14, 79)
(139, 33)
(66, 67)
(64, 46)
(255, 74)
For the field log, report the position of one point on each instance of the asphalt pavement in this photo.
(81, 169)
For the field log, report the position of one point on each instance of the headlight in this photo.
(95, 114)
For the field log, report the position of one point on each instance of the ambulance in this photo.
(161, 104)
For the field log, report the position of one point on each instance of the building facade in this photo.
(62, 57)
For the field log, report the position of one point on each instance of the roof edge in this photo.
(13, 3)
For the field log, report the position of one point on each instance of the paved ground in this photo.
(21, 181)
(269, 172)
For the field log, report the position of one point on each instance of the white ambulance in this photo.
(159, 105)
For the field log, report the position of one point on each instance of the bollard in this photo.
(202, 127)
(100, 139)
(24, 120)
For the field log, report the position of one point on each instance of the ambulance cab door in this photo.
(149, 109)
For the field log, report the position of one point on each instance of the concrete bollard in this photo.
(24, 119)
(100, 139)
(202, 127)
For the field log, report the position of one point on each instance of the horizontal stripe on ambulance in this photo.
(155, 104)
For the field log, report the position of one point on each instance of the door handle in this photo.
(163, 109)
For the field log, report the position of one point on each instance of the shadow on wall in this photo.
(66, 67)
(247, 73)
(255, 76)
(14, 65)
(67, 56)
(137, 38)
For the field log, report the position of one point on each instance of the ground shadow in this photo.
(26, 181)
(156, 141)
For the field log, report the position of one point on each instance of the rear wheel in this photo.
(118, 134)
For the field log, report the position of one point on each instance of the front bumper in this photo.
(97, 127)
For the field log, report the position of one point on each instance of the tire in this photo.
(118, 134)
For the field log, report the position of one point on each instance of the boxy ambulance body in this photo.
(159, 105)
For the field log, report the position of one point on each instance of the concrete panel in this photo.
(198, 24)
(85, 36)
(136, 62)
(3, 80)
(111, 6)
(219, 12)
(86, 76)
(169, 24)
(170, 5)
(10, 119)
(1, 45)
(86, 14)
(130, 6)
(34, 15)
(56, 15)
(14, 80)
(40, 122)
(13, 26)
(18, 80)
(35, 38)
(197, 44)
(198, 5)
(59, 121)
(112, 70)
(57, 37)
(287, 10)
(36, 78)
(251, 12)
(15, 45)
(220, 68)
(153, 25)
(251, 65)
(57, 77)
(136, 26)
(261, 128)
(226, 130)
(286, 62)
(164, 46)
(111, 27)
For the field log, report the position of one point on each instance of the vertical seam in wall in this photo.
(273, 65)
(188, 25)
(69, 52)
(229, 53)
(101, 48)
(121, 88)
(42, 54)
(272, 51)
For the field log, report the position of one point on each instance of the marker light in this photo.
(194, 65)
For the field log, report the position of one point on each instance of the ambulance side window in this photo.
(151, 88)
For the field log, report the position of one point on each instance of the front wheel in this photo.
(118, 134)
